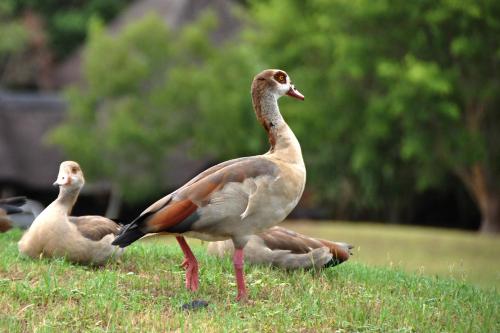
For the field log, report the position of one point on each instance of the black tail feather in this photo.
(10, 209)
(14, 201)
(126, 238)
(131, 232)
(332, 263)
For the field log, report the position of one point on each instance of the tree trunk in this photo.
(486, 197)
(490, 214)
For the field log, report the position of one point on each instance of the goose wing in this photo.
(177, 211)
(94, 227)
(279, 238)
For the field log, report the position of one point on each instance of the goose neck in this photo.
(268, 113)
(67, 197)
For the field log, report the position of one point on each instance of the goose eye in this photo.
(280, 77)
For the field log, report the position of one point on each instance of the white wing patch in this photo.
(255, 189)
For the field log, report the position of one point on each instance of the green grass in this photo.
(145, 291)
(466, 256)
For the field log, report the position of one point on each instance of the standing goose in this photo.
(84, 240)
(287, 249)
(238, 198)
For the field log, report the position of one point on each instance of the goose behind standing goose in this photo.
(85, 239)
(238, 198)
(284, 248)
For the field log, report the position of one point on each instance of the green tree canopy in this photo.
(398, 95)
(13, 37)
(66, 21)
(146, 94)
(113, 126)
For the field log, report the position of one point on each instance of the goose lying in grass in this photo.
(238, 198)
(287, 249)
(8, 207)
(84, 240)
(30, 209)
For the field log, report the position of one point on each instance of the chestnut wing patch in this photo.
(172, 214)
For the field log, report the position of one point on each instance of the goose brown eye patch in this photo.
(280, 77)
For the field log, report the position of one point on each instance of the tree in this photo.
(13, 38)
(34, 35)
(66, 21)
(398, 96)
(113, 125)
(145, 95)
(399, 93)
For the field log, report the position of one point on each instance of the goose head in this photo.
(277, 82)
(70, 176)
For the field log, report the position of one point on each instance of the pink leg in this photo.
(189, 264)
(240, 279)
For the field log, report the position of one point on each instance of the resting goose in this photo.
(238, 198)
(287, 249)
(84, 240)
(7, 207)
(30, 210)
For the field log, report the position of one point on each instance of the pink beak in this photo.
(295, 93)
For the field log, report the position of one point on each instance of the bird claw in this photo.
(192, 280)
(242, 297)
(184, 264)
(189, 264)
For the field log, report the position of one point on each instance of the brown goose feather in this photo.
(178, 206)
(288, 249)
(279, 238)
(94, 227)
(5, 223)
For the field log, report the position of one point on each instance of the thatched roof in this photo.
(27, 159)
(175, 13)
(25, 119)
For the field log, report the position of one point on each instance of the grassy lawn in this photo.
(145, 291)
(462, 255)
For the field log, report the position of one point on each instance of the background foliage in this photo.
(66, 21)
(13, 37)
(399, 96)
